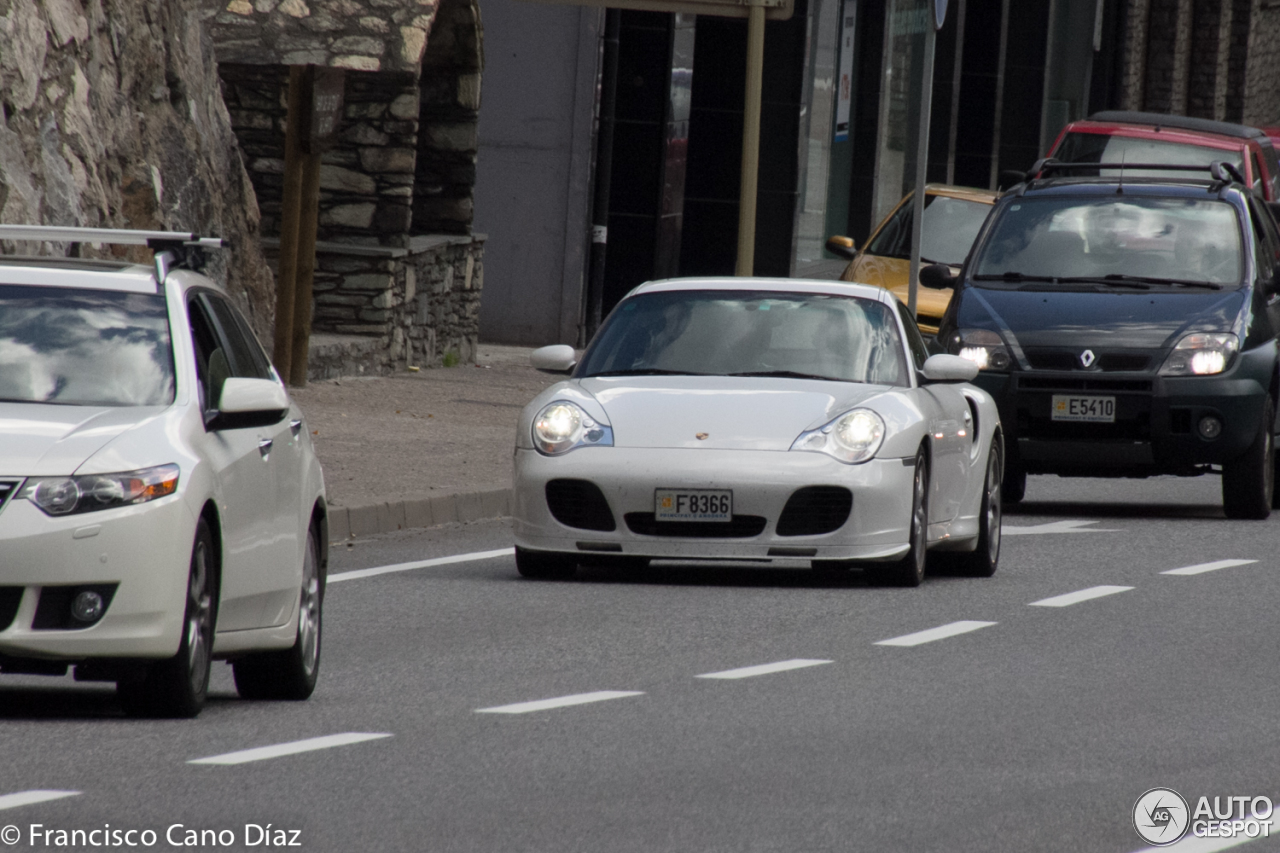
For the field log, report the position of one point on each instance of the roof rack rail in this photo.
(1220, 170)
(174, 249)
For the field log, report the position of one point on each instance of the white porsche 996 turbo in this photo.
(759, 419)
(161, 505)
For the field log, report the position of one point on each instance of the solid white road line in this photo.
(560, 702)
(27, 798)
(1064, 526)
(475, 556)
(1190, 844)
(1208, 567)
(1079, 596)
(764, 668)
(262, 753)
(939, 633)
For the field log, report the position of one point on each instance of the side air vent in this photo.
(580, 504)
(8, 488)
(10, 598)
(815, 510)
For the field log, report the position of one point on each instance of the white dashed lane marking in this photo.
(1064, 526)
(27, 798)
(560, 702)
(1080, 595)
(764, 668)
(939, 633)
(473, 557)
(262, 753)
(1207, 567)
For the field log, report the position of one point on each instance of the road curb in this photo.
(388, 516)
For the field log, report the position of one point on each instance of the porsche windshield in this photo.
(84, 347)
(750, 333)
(1118, 240)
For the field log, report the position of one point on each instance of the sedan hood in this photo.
(737, 413)
(1149, 319)
(46, 440)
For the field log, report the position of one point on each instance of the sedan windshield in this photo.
(1121, 241)
(950, 227)
(750, 333)
(84, 347)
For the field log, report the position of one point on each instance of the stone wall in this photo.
(1262, 85)
(111, 117)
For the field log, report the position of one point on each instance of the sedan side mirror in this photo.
(938, 276)
(949, 368)
(246, 403)
(557, 358)
(842, 247)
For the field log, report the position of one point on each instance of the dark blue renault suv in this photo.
(1127, 327)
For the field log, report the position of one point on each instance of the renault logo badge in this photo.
(1087, 358)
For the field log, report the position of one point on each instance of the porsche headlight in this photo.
(1201, 354)
(983, 347)
(91, 492)
(563, 426)
(853, 437)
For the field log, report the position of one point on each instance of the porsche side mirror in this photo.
(948, 368)
(938, 276)
(246, 403)
(842, 247)
(557, 358)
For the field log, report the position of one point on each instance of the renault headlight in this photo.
(92, 492)
(983, 347)
(853, 437)
(563, 426)
(1201, 354)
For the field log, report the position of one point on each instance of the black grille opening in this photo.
(1180, 421)
(580, 504)
(1069, 383)
(741, 527)
(815, 510)
(1123, 361)
(10, 598)
(1053, 360)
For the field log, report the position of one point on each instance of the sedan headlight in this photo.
(1201, 354)
(91, 492)
(853, 437)
(563, 426)
(983, 347)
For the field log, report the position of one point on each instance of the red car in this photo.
(1135, 137)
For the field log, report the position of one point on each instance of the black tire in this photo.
(1248, 481)
(909, 571)
(177, 686)
(1013, 487)
(545, 565)
(291, 674)
(984, 559)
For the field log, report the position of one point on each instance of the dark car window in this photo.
(84, 347)
(212, 365)
(950, 227)
(246, 357)
(727, 333)
(1265, 240)
(1104, 148)
(915, 342)
(1053, 238)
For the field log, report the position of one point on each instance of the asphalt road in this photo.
(1019, 726)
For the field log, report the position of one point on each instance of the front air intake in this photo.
(815, 510)
(579, 504)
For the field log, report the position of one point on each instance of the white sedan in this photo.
(758, 419)
(160, 502)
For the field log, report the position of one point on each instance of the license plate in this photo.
(692, 505)
(1097, 410)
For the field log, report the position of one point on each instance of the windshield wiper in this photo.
(1143, 281)
(646, 371)
(787, 374)
(1014, 277)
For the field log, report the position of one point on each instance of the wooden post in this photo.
(306, 267)
(291, 205)
(751, 141)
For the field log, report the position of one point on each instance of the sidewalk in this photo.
(420, 449)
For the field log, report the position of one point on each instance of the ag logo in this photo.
(1161, 816)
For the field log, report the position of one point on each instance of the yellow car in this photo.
(952, 218)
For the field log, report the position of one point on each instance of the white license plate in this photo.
(1097, 410)
(692, 505)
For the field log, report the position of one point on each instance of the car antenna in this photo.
(1120, 182)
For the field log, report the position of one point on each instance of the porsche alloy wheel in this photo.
(909, 571)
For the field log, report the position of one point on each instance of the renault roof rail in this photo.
(174, 249)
